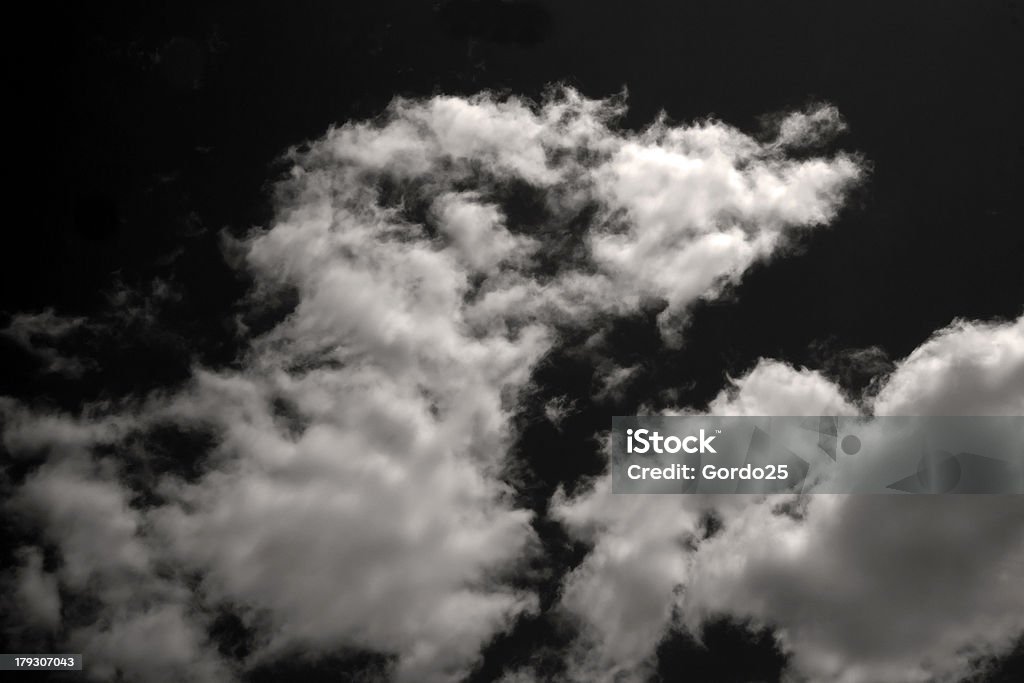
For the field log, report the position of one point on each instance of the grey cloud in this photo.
(857, 588)
(774, 388)
(352, 496)
(36, 592)
(801, 129)
(967, 368)
(872, 588)
(39, 333)
(82, 509)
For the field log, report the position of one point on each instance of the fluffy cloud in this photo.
(774, 388)
(624, 592)
(857, 588)
(351, 493)
(133, 619)
(967, 368)
(36, 592)
(868, 588)
(802, 129)
(705, 202)
(377, 526)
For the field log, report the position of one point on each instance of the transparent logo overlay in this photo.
(897, 455)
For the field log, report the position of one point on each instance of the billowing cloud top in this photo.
(856, 588)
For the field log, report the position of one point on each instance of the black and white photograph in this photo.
(324, 324)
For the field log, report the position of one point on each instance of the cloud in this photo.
(39, 335)
(868, 588)
(856, 588)
(702, 203)
(377, 527)
(967, 368)
(811, 127)
(624, 592)
(351, 494)
(477, 232)
(774, 388)
(133, 619)
(72, 346)
(36, 592)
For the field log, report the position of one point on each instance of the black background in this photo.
(140, 124)
(141, 130)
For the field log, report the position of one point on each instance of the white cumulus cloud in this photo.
(857, 588)
(351, 495)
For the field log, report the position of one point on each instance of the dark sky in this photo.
(145, 129)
